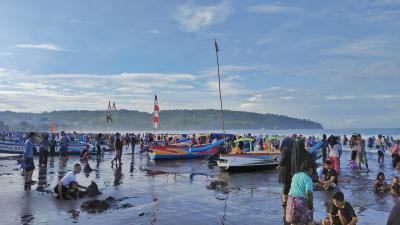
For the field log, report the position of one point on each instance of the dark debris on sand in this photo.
(98, 206)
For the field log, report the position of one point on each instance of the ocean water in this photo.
(365, 132)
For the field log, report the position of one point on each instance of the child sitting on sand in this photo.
(327, 176)
(380, 183)
(395, 187)
(341, 212)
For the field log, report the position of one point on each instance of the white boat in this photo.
(19, 148)
(243, 157)
(11, 147)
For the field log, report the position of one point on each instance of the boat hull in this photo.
(248, 161)
(179, 152)
(16, 148)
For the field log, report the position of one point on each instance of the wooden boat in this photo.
(13, 147)
(243, 156)
(19, 148)
(183, 152)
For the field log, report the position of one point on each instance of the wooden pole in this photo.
(219, 88)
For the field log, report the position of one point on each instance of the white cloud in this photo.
(365, 97)
(347, 97)
(274, 9)
(286, 97)
(23, 91)
(155, 31)
(44, 46)
(194, 18)
(350, 120)
(380, 45)
(228, 88)
(255, 98)
(247, 106)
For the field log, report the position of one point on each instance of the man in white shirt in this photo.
(68, 183)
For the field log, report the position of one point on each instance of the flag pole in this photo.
(219, 87)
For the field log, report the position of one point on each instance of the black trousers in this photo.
(43, 155)
(98, 149)
(52, 150)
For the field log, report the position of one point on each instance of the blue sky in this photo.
(335, 62)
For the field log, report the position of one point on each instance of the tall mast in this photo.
(219, 87)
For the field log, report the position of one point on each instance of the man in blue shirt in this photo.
(29, 165)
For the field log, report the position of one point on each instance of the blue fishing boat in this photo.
(183, 152)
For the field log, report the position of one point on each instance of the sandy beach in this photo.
(178, 192)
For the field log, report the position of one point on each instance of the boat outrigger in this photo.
(243, 156)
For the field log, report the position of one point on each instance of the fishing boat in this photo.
(13, 147)
(183, 152)
(244, 156)
(19, 148)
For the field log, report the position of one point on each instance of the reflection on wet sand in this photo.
(42, 179)
(154, 205)
(166, 192)
(26, 213)
(118, 175)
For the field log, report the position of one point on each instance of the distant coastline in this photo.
(208, 119)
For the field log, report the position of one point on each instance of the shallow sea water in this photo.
(178, 192)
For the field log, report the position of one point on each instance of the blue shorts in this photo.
(29, 164)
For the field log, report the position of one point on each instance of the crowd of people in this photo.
(300, 175)
(298, 170)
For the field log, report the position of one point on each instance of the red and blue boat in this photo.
(184, 152)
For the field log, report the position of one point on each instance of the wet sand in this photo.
(177, 192)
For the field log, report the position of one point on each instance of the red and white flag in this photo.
(156, 110)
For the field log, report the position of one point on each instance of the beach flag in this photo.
(156, 110)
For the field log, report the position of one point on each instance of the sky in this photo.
(334, 62)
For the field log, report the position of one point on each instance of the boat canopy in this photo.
(247, 145)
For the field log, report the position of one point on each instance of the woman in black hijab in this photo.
(285, 167)
(300, 155)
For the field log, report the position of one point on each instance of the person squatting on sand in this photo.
(327, 176)
(395, 186)
(68, 187)
(341, 212)
(380, 184)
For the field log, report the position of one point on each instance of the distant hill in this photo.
(208, 119)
